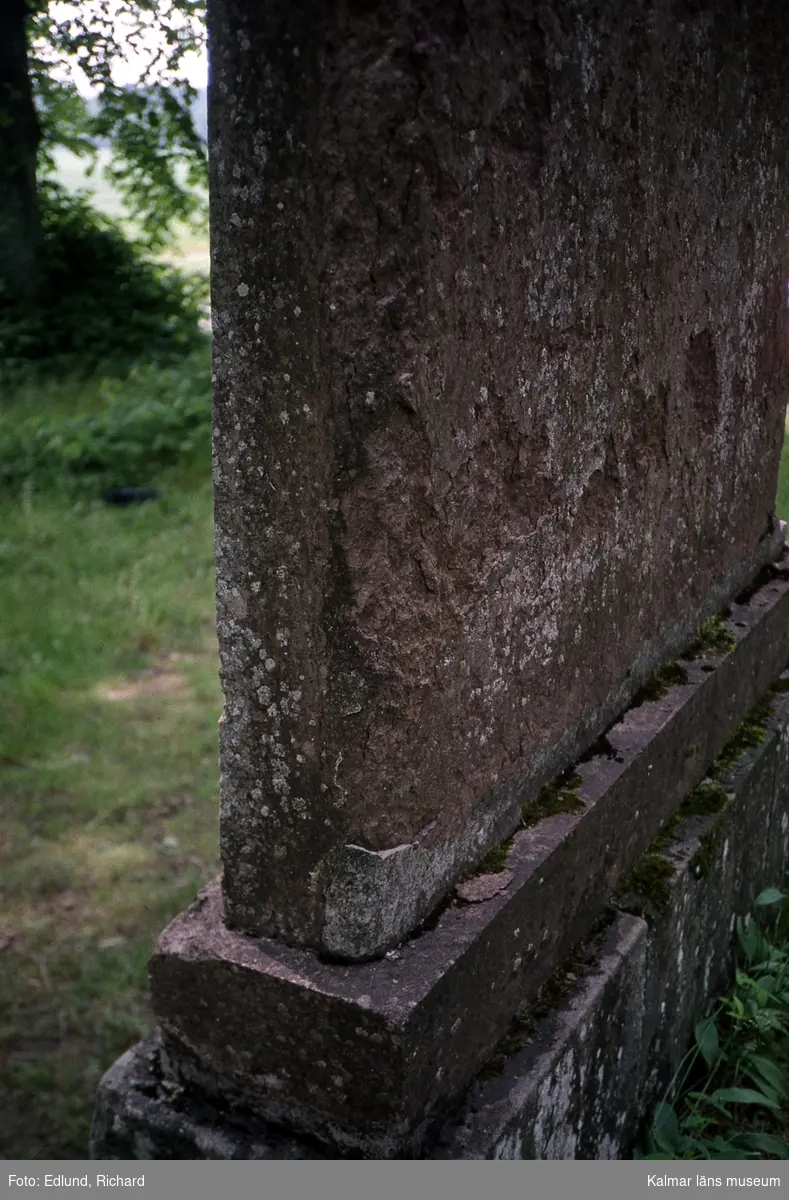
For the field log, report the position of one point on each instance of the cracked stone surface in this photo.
(500, 377)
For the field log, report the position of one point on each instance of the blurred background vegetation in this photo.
(109, 695)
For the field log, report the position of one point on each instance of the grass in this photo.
(109, 701)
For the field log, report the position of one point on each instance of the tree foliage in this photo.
(157, 158)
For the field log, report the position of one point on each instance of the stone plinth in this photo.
(578, 1082)
(497, 302)
(366, 1057)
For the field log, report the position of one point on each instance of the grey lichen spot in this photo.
(363, 887)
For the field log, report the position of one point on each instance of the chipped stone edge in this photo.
(426, 1004)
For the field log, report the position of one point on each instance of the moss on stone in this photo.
(660, 683)
(495, 861)
(560, 984)
(707, 798)
(751, 733)
(713, 636)
(648, 880)
(561, 796)
(649, 877)
(704, 859)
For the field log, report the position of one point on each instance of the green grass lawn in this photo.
(109, 701)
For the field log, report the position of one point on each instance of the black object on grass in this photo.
(129, 495)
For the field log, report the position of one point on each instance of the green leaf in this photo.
(763, 1143)
(749, 938)
(706, 1033)
(757, 1066)
(771, 895)
(712, 1099)
(740, 1095)
(665, 1123)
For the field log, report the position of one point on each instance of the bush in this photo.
(100, 299)
(155, 418)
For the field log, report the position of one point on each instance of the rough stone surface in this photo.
(363, 1055)
(597, 1066)
(592, 1069)
(142, 1115)
(498, 326)
(575, 1092)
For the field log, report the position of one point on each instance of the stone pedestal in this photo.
(575, 1078)
(500, 383)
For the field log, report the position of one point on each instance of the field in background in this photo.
(188, 250)
(109, 701)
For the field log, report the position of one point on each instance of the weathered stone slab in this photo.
(576, 1091)
(497, 304)
(691, 945)
(595, 1067)
(363, 1055)
(590, 1070)
(140, 1114)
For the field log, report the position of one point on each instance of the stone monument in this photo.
(498, 297)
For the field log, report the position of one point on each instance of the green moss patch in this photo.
(712, 637)
(649, 881)
(495, 860)
(704, 859)
(659, 684)
(561, 796)
(751, 733)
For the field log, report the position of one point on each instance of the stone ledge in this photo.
(576, 1089)
(579, 1091)
(141, 1115)
(363, 1056)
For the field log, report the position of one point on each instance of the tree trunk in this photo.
(20, 224)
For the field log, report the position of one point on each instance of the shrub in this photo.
(100, 298)
(154, 418)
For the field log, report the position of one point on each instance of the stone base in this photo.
(366, 1057)
(578, 1082)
